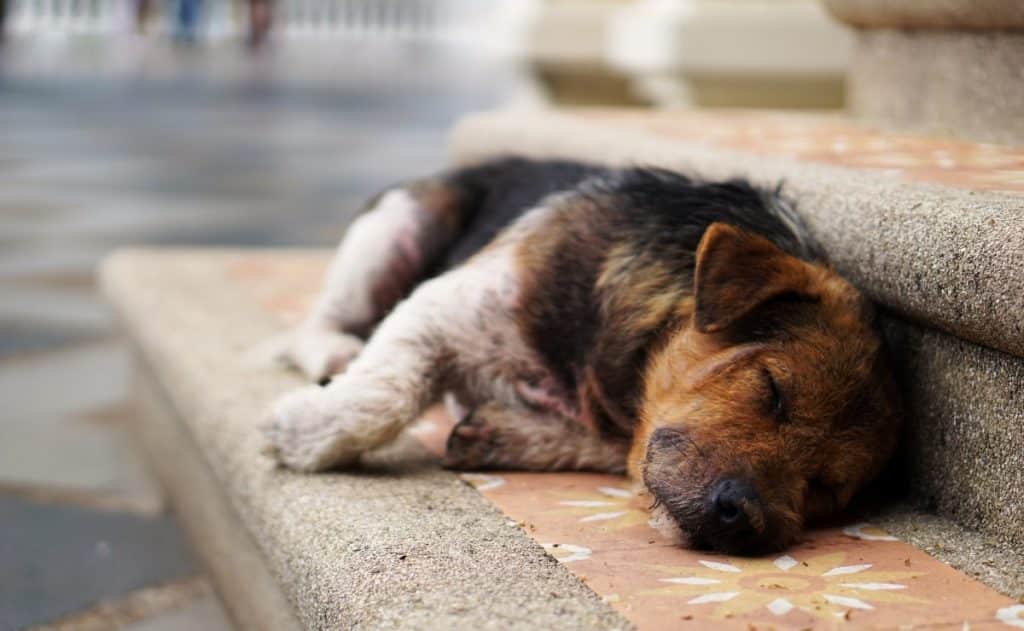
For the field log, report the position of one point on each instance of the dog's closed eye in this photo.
(775, 400)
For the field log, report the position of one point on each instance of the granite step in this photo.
(408, 545)
(948, 66)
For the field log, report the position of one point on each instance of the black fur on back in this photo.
(677, 207)
(502, 190)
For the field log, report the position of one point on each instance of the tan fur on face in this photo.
(841, 416)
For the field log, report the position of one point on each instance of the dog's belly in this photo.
(494, 361)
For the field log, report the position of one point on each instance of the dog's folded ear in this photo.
(738, 271)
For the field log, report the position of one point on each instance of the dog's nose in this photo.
(734, 504)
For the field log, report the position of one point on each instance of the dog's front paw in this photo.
(303, 435)
(321, 353)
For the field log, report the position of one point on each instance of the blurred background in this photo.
(265, 123)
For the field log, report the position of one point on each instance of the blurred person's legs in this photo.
(3, 17)
(260, 19)
(188, 15)
(143, 9)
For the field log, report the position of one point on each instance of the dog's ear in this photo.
(738, 271)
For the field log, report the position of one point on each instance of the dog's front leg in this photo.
(401, 371)
(385, 252)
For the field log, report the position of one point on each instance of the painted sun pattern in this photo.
(827, 586)
(614, 507)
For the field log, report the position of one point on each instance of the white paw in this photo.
(304, 435)
(320, 353)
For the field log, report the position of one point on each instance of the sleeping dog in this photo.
(589, 318)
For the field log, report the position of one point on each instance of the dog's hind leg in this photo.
(409, 360)
(499, 436)
(385, 252)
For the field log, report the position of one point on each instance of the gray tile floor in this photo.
(130, 142)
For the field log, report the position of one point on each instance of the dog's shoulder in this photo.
(610, 261)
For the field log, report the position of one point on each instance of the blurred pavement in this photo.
(107, 143)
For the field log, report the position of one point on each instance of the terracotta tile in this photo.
(560, 510)
(822, 138)
(856, 574)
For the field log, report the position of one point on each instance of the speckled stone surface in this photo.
(987, 559)
(416, 549)
(942, 257)
(960, 14)
(204, 511)
(949, 258)
(952, 83)
(965, 443)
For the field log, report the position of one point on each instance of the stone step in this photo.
(409, 549)
(411, 546)
(949, 66)
(932, 229)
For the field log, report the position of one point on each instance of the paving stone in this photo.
(59, 559)
(76, 308)
(206, 614)
(38, 257)
(18, 337)
(46, 440)
(139, 605)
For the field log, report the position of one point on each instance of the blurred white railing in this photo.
(427, 19)
(66, 16)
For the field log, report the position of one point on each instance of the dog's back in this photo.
(502, 190)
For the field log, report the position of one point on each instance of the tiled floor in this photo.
(831, 140)
(857, 574)
(122, 142)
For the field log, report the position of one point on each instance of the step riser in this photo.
(914, 14)
(214, 528)
(964, 442)
(947, 83)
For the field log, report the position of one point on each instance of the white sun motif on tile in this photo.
(611, 507)
(825, 586)
(1012, 616)
(482, 481)
(567, 552)
(867, 532)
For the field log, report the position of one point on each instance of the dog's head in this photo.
(771, 407)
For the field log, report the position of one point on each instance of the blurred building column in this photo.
(564, 45)
(731, 53)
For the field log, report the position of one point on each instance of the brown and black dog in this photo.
(581, 317)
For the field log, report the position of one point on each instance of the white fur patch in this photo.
(661, 521)
(347, 298)
(458, 324)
